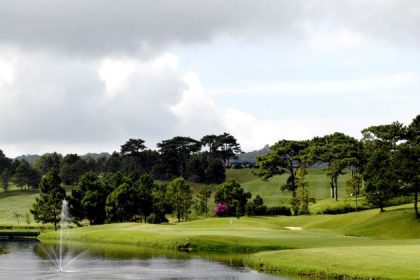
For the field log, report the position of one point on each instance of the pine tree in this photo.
(47, 207)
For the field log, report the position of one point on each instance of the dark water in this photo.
(32, 260)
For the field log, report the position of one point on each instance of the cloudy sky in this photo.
(84, 76)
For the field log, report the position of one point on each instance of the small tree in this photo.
(47, 207)
(203, 198)
(354, 186)
(302, 190)
(180, 195)
(232, 194)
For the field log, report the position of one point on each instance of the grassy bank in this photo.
(356, 262)
(365, 244)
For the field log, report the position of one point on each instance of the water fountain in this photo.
(63, 221)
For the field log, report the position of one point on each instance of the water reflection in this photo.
(33, 260)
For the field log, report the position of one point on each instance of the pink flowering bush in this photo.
(221, 209)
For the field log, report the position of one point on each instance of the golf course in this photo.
(361, 245)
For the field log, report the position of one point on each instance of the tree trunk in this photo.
(356, 201)
(332, 188)
(206, 209)
(336, 188)
(416, 196)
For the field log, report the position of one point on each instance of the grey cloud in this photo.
(96, 27)
(103, 26)
(54, 100)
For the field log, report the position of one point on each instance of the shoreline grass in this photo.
(359, 245)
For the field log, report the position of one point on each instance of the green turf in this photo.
(16, 199)
(356, 262)
(333, 245)
(272, 194)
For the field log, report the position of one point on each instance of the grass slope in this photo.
(270, 190)
(362, 245)
(16, 199)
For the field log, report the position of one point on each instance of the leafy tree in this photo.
(161, 205)
(48, 162)
(203, 198)
(196, 168)
(175, 153)
(180, 195)
(256, 206)
(122, 203)
(381, 178)
(339, 151)
(6, 170)
(285, 157)
(354, 186)
(47, 207)
(212, 142)
(229, 147)
(380, 173)
(71, 168)
(223, 146)
(232, 194)
(215, 171)
(407, 161)
(113, 164)
(88, 198)
(5, 178)
(302, 190)
(26, 175)
(132, 149)
(145, 187)
(5, 162)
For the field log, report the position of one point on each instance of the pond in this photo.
(33, 260)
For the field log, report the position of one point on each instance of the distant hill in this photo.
(28, 158)
(95, 156)
(252, 156)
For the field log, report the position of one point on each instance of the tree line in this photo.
(201, 161)
(384, 164)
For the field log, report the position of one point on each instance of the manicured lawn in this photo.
(272, 194)
(356, 262)
(16, 199)
(364, 244)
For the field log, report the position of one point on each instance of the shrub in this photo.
(399, 200)
(261, 210)
(279, 210)
(156, 219)
(342, 209)
(221, 209)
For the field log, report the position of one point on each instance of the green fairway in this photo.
(18, 200)
(272, 194)
(356, 262)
